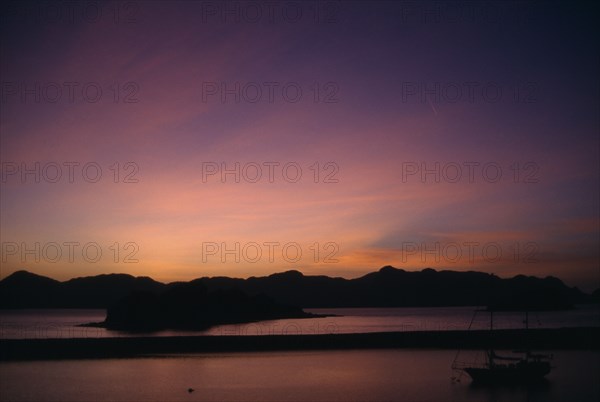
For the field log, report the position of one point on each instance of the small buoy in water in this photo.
(190, 390)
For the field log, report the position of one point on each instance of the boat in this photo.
(521, 367)
(527, 369)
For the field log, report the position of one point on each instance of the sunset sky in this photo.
(362, 97)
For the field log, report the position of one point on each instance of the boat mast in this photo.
(491, 351)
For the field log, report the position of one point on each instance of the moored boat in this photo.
(495, 369)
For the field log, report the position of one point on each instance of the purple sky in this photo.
(497, 101)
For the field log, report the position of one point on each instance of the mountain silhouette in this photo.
(388, 287)
(24, 289)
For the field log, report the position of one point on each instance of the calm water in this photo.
(63, 323)
(365, 375)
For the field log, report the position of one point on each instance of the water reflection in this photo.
(64, 323)
(540, 391)
(365, 375)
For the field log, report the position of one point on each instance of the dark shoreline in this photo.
(98, 348)
(154, 328)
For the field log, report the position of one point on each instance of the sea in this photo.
(66, 323)
(335, 375)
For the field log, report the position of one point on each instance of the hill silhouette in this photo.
(191, 306)
(24, 289)
(388, 287)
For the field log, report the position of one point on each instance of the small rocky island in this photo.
(190, 306)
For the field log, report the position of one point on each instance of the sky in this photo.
(178, 140)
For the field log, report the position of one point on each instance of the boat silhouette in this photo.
(522, 366)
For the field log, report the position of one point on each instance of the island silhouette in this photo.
(191, 306)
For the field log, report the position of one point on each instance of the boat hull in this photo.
(518, 373)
